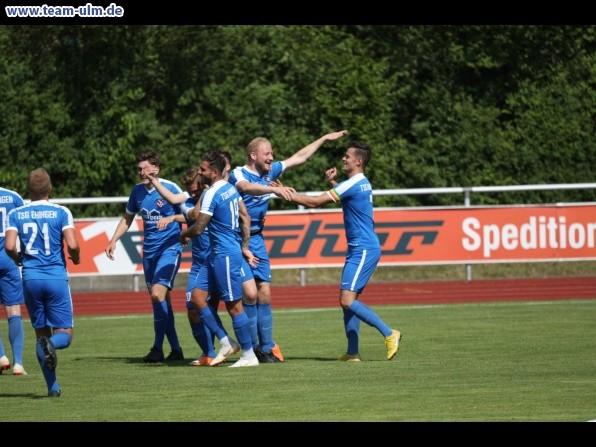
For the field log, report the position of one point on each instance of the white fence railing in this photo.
(466, 191)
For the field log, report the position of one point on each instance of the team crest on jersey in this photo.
(159, 203)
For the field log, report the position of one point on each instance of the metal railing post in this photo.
(467, 203)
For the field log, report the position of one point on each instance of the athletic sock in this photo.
(265, 326)
(16, 335)
(369, 316)
(352, 327)
(251, 313)
(210, 322)
(171, 333)
(203, 336)
(60, 340)
(2, 352)
(49, 376)
(160, 322)
(241, 327)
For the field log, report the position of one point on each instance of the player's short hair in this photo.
(254, 145)
(189, 177)
(363, 151)
(216, 160)
(227, 156)
(39, 184)
(149, 156)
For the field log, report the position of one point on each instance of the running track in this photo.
(534, 289)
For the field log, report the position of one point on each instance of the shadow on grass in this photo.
(186, 362)
(133, 361)
(20, 396)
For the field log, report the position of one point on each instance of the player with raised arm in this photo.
(364, 249)
(254, 182)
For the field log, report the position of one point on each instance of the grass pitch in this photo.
(485, 362)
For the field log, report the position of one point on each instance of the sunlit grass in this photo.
(513, 361)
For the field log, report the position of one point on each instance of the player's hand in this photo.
(152, 175)
(183, 240)
(330, 176)
(164, 222)
(335, 135)
(110, 251)
(284, 192)
(252, 260)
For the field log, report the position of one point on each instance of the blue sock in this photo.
(160, 322)
(218, 320)
(60, 340)
(251, 313)
(49, 376)
(241, 327)
(2, 352)
(367, 315)
(211, 323)
(265, 326)
(204, 338)
(171, 330)
(16, 335)
(352, 326)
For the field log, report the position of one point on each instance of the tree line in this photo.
(441, 106)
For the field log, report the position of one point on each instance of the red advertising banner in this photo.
(309, 239)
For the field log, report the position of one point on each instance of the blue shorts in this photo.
(257, 245)
(11, 284)
(247, 271)
(49, 303)
(229, 274)
(162, 269)
(203, 278)
(193, 279)
(359, 267)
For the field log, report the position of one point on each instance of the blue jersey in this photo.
(9, 200)
(40, 225)
(200, 243)
(356, 199)
(221, 202)
(257, 206)
(152, 207)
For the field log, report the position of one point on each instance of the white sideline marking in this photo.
(403, 307)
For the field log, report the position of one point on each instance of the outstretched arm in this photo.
(304, 154)
(173, 199)
(254, 189)
(312, 202)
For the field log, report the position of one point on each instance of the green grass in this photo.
(493, 362)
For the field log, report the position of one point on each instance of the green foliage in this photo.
(465, 105)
